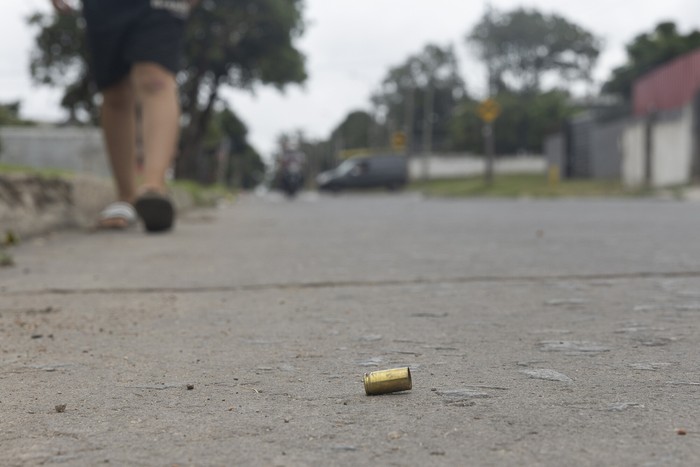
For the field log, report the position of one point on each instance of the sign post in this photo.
(398, 141)
(489, 110)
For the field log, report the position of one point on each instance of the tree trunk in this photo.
(193, 137)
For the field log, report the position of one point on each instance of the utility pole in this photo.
(410, 118)
(489, 149)
(223, 159)
(649, 123)
(371, 130)
(427, 129)
(489, 110)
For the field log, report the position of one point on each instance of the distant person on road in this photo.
(289, 170)
(290, 158)
(136, 47)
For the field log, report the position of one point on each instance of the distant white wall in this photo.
(68, 148)
(606, 149)
(464, 165)
(672, 150)
(672, 146)
(633, 154)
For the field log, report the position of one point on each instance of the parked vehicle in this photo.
(389, 171)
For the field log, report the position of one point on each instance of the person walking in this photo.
(135, 48)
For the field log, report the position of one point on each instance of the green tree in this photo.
(648, 51)
(228, 152)
(235, 43)
(431, 76)
(60, 59)
(522, 47)
(524, 122)
(355, 131)
(9, 115)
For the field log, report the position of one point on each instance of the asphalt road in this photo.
(538, 333)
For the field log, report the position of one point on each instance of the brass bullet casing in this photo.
(387, 381)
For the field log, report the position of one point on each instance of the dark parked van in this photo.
(389, 171)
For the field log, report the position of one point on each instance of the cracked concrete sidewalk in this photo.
(538, 333)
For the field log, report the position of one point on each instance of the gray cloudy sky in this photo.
(350, 44)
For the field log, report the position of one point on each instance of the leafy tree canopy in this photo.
(521, 47)
(227, 152)
(9, 115)
(236, 43)
(354, 131)
(524, 122)
(60, 59)
(648, 51)
(401, 98)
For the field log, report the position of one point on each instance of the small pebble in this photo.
(60, 408)
(681, 432)
(190, 387)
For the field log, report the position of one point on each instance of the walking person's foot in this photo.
(119, 215)
(156, 209)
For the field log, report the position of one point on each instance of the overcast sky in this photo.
(350, 44)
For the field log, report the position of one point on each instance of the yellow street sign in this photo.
(398, 141)
(489, 110)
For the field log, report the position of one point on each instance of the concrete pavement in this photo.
(538, 333)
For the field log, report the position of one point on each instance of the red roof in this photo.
(668, 87)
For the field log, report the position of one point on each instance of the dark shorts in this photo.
(121, 33)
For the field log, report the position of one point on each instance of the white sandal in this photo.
(118, 211)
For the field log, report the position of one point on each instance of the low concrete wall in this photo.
(465, 165)
(33, 205)
(67, 148)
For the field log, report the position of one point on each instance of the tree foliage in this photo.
(226, 156)
(401, 100)
(648, 51)
(522, 47)
(355, 131)
(525, 121)
(241, 44)
(9, 114)
(60, 59)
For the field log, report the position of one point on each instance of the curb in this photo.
(33, 205)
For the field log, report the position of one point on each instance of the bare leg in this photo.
(155, 89)
(119, 128)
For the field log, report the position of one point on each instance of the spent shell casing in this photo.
(388, 381)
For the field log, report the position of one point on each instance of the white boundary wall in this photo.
(633, 147)
(672, 150)
(68, 148)
(464, 165)
(672, 146)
